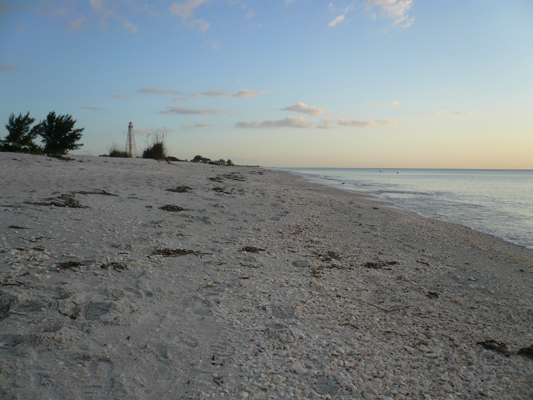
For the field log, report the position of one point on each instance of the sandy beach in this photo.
(133, 279)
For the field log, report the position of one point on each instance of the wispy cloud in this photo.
(396, 10)
(148, 89)
(337, 20)
(108, 10)
(362, 123)
(185, 10)
(305, 109)
(122, 97)
(198, 125)
(172, 110)
(288, 122)
(93, 108)
(392, 103)
(463, 113)
(7, 68)
(242, 94)
(77, 24)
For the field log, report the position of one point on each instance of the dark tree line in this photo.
(57, 134)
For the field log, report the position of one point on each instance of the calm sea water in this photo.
(496, 202)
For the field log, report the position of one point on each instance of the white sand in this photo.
(345, 297)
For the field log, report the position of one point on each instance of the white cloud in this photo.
(250, 14)
(326, 123)
(172, 110)
(241, 94)
(337, 20)
(245, 93)
(198, 125)
(305, 109)
(157, 91)
(392, 103)
(7, 68)
(288, 122)
(186, 9)
(463, 113)
(287, 2)
(396, 10)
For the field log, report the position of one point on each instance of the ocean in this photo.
(495, 202)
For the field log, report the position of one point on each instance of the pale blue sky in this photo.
(370, 83)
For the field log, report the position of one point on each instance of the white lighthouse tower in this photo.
(131, 149)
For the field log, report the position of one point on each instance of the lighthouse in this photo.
(131, 149)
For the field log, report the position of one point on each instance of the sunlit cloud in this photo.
(93, 108)
(7, 68)
(305, 109)
(200, 24)
(337, 20)
(241, 94)
(396, 10)
(198, 125)
(392, 103)
(362, 123)
(288, 122)
(157, 91)
(172, 110)
(122, 97)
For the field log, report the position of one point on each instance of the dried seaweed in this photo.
(174, 252)
(65, 200)
(379, 264)
(498, 347)
(100, 192)
(222, 190)
(526, 352)
(251, 249)
(17, 227)
(172, 208)
(69, 264)
(180, 189)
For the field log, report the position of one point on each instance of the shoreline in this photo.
(281, 288)
(407, 207)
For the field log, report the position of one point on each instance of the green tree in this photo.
(58, 133)
(20, 135)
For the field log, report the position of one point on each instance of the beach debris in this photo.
(329, 256)
(422, 262)
(251, 249)
(69, 264)
(65, 200)
(433, 295)
(100, 192)
(172, 208)
(180, 189)
(379, 264)
(526, 352)
(175, 252)
(493, 345)
(234, 176)
(115, 265)
(222, 190)
(219, 380)
(17, 227)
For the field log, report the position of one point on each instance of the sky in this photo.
(281, 83)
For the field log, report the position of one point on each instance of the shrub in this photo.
(158, 149)
(21, 136)
(58, 134)
(115, 151)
